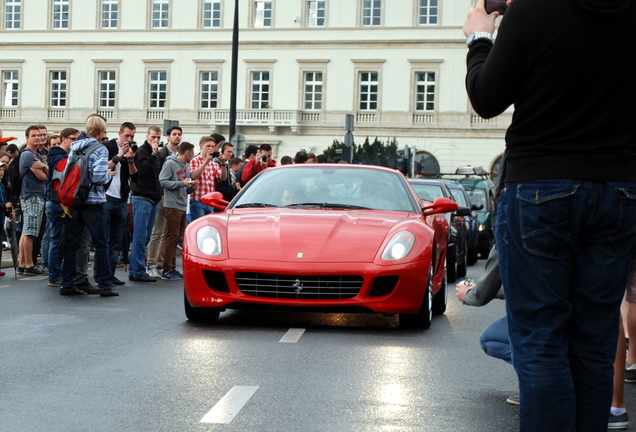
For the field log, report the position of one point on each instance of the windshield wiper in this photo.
(254, 205)
(329, 205)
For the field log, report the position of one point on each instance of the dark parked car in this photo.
(471, 221)
(457, 256)
(481, 191)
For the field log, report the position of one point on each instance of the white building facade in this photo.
(397, 65)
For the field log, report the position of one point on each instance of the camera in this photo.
(216, 154)
(133, 145)
(160, 144)
(264, 157)
(496, 6)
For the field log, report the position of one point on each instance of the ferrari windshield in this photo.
(328, 186)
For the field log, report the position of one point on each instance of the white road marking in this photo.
(229, 406)
(292, 336)
(4, 286)
(34, 278)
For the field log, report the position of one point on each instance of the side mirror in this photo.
(440, 205)
(215, 199)
(477, 207)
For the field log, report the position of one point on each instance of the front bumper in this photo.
(384, 289)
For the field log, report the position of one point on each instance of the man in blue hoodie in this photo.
(54, 211)
(566, 223)
(91, 215)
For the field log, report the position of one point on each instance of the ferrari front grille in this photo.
(299, 287)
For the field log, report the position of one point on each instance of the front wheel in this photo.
(208, 315)
(441, 298)
(424, 317)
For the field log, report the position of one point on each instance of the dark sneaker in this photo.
(20, 270)
(143, 278)
(513, 399)
(118, 281)
(108, 293)
(35, 270)
(45, 269)
(630, 374)
(179, 273)
(618, 421)
(55, 283)
(88, 288)
(171, 275)
(71, 291)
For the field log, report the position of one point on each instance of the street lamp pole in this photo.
(234, 84)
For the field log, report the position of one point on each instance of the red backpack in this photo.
(75, 182)
(56, 179)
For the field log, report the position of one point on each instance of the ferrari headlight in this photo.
(209, 241)
(399, 246)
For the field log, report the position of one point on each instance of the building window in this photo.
(262, 14)
(313, 91)
(157, 90)
(368, 91)
(428, 10)
(371, 12)
(60, 14)
(209, 89)
(260, 90)
(58, 89)
(10, 88)
(315, 13)
(160, 13)
(424, 91)
(211, 13)
(12, 14)
(107, 89)
(109, 13)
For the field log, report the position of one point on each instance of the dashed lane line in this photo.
(229, 406)
(292, 335)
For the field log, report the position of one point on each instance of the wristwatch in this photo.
(477, 35)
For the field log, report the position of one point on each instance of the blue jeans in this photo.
(198, 209)
(564, 253)
(54, 214)
(144, 213)
(495, 341)
(116, 215)
(91, 216)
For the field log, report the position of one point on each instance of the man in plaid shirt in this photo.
(207, 170)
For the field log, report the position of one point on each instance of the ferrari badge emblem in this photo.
(299, 255)
(298, 287)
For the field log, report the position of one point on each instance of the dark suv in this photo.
(470, 220)
(481, 191)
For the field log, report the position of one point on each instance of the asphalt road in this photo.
(133, 363)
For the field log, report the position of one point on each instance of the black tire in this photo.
(423, 318)
(208, 315)
(472, 255)
(461, 267)
(451, 263)
(440, 299)
(484, 248)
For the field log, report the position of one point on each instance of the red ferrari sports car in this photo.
(320, 237)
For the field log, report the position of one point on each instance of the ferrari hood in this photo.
(309, 235)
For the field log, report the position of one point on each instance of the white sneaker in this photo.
(153, 272)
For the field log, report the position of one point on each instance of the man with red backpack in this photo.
(54, 210)
(90, 214)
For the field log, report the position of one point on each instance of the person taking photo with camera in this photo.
(262, 161)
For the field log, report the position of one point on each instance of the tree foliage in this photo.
(369, 153)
